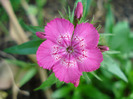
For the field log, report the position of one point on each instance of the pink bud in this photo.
(41, 35)
(79, 10)
(103, 48)
(76, 83)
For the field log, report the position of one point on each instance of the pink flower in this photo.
(68, 51)
(79, 10)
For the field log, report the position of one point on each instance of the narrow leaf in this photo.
(19, 63)
(93, 93)
(62, 92)
(31, 72)
(25, 48)
(106, 34)
(32, 29)
(92, 21)
(61, 14)
(59, 83)
(121, 39)
(69, 13)
(110, 65)
(49, 82)
(95, 75)
(113, 52)
(86, 4)
(99, 27)
(109, 23)
(86, 77)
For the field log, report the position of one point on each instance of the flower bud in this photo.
(41, 35)
(103, 48)
(76, 83)
(79, 10)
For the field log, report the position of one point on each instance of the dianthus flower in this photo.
(68, 51)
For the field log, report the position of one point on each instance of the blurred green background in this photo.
(20, 76)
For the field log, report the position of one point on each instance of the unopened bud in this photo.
(76, 83)
(103, 48)
(41, 35)
(79, 10)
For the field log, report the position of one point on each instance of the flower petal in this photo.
(58, 27)
(87, 33)
(67, 70)
(48, 54)
(92, 61)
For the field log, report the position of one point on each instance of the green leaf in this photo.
(59, 83)
(29, 47)
(106, 34)
(121, 39)
(49, 82)
(103, 37)
(32, 29)
(110, 65)
(95, 75)
(77, 94)
(92, 21)
(62, 92)
(99, 27)
(109, 23)
(118, 89)
(112, 52)
(16, 4)
(72, 15)
(32, 10)
(86, 7)
(92, 92)
(77, 2)
(69, 13)
(86, 77)
(61, 14)
(41, 3)
(19, 63)
(131, 43)
(31, 72)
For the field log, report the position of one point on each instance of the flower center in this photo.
(69, 49)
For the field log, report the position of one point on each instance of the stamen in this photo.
(70, 49)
